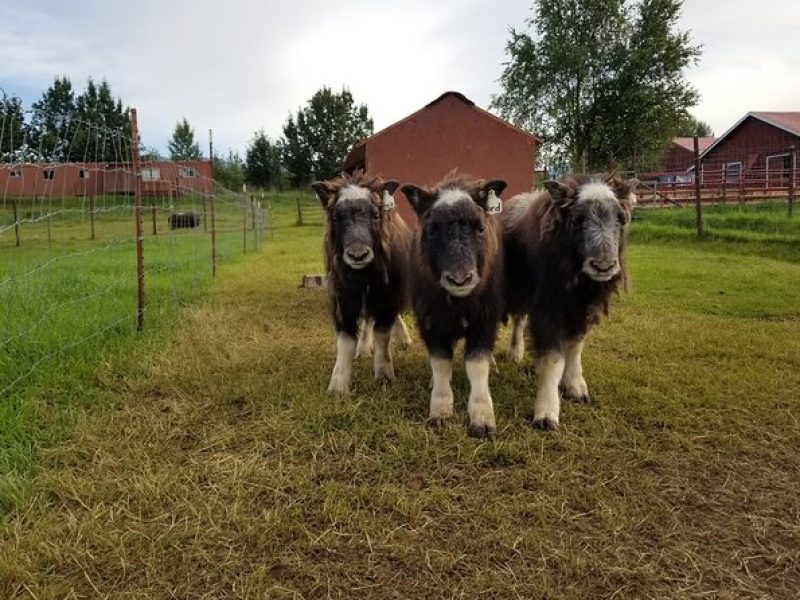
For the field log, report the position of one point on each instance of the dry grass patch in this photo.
(228, 472)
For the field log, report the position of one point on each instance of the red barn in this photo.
(680, 154)
(159, 178)
(758, 149)
(450, 132)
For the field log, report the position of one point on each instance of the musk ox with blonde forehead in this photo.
(564, 259)
(366, 257)
(456, 287)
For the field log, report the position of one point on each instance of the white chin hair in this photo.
(360, 265)
(459, 292)
(601, 276)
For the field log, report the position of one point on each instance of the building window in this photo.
(83, 174)
(733, 172)
(14, 174)
(187, 172)
(151, 174)
(49, 174)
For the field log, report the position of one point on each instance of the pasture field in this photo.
(221, 468)
(69, 301)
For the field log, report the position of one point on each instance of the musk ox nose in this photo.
(358, 255)
(460, 283)
(459, 279)
(603, 266)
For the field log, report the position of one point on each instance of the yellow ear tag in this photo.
(388, 201)
(494, 206)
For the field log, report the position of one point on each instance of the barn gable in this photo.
(450, 132)
(754, 138)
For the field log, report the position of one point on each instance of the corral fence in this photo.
(97, 242)
(762, 176)
(309, 210)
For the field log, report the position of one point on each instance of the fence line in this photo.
(68, 241)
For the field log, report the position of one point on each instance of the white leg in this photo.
(442, 393)
(345, 350)
(549, 367)
(400, 332)
(479, 407)
(365, 343)
(383, 356)
(518, 337)
(573, 384)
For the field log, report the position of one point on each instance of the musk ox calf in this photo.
(456, 287)
(366, 257)
(184, 220)
(563, 261)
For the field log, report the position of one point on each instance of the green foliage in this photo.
(81, 128)
(262, 166)
(183, 146)
(102, 119)
(692, 126)
(601, 80)
(317, 139)
(51, 121)
(229, 170)
(12, 132)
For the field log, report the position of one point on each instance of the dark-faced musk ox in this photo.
(366, 257)
(564, 260)
(456, 287)
(183, 220)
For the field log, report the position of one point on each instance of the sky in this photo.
(239, 66)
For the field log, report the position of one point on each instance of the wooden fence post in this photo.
(697, 187)
(137, 190)
(153, 207)
(92, 210)
(15, 203)
(49, 220)
(253, 220)
(299, 212)
(213, 236)
(792, 179)
(244, 225)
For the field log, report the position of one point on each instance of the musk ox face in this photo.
(453, 236)
(597, 213)
(354, 214)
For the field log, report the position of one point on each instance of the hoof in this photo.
(545, 424)
(578, 393)
(385, 374)
(482, 432)
(438, 423)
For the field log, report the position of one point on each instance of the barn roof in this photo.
(788, 121)
(687, 143)
(357, 151)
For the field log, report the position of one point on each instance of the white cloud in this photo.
(237, 66)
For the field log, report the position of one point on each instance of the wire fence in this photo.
(74, 273)
(742, 174)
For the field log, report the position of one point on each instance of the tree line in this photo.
(88, 126)
(602, 82)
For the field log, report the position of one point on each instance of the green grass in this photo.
(226, 470)
(69, 304)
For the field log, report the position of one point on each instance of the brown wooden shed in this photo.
(759, 148)
(450, 132)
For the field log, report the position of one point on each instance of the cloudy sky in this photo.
(237, 66)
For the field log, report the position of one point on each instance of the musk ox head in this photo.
(355, 206)
(596, 212)
(456, 236)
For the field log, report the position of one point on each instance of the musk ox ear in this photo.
(390, 186)
(323, 192)
(488, 197)
(559, 192)
(420, 199)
